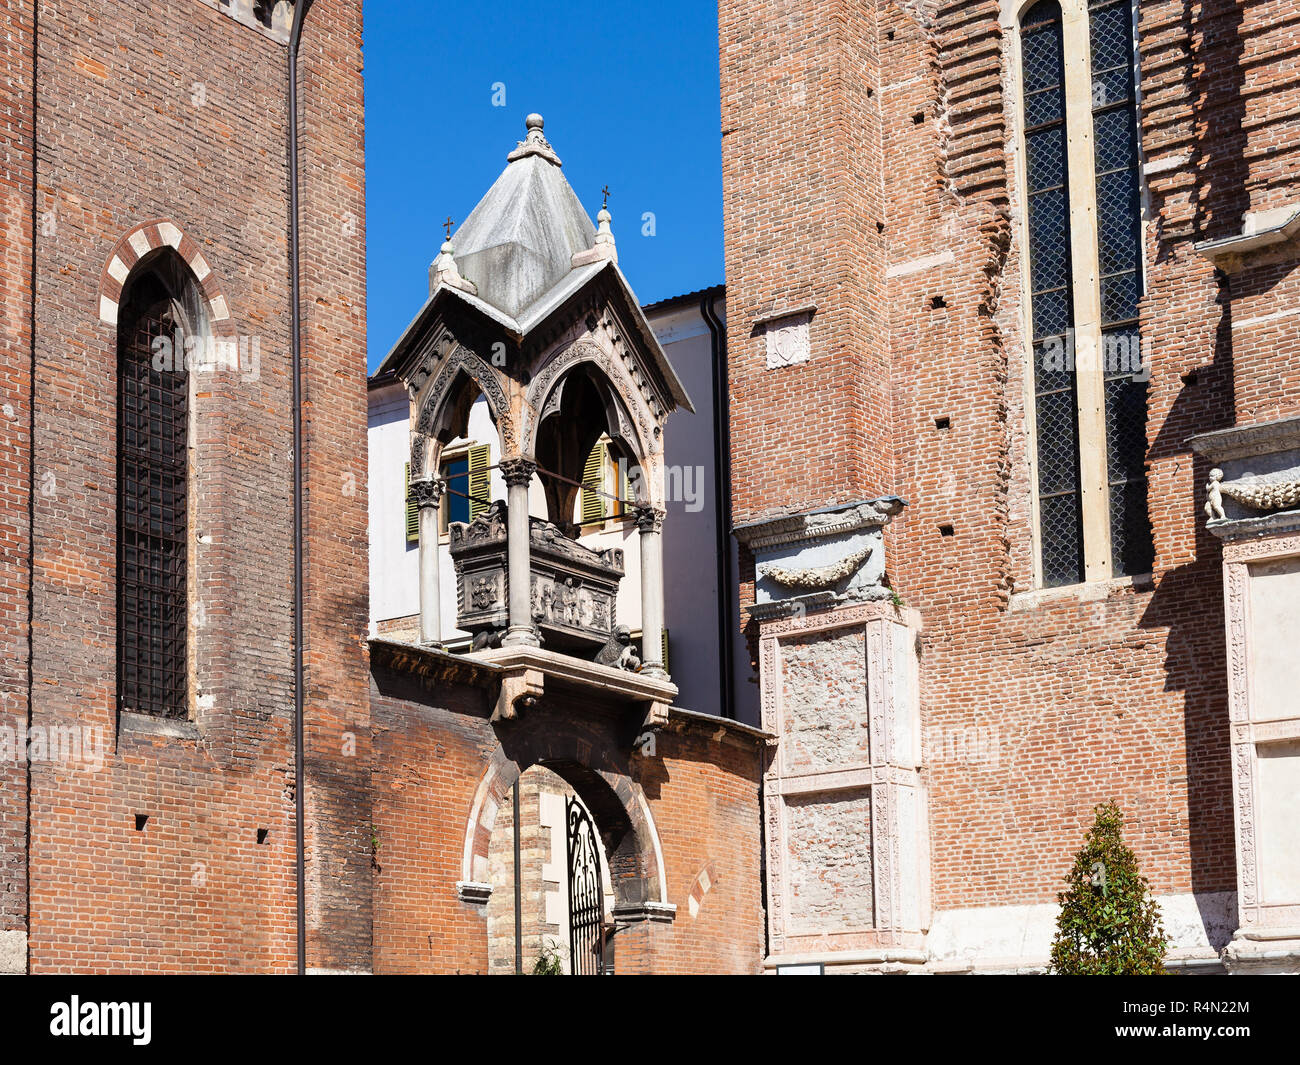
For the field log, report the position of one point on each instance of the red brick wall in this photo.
(802, 199)
(133, 128)
(1117, 694)
(337, 607)
(705, 798)
(433, 745)
(15, 440)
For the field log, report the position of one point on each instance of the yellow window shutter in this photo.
(592, 509)
(480, 479)
(412, 511)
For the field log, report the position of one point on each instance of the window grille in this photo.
(152, 516)
(1051, 282)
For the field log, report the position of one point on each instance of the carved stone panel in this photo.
(1262, 588)
(845, 809)
(788, 342)
(829, 844)
(825, 702)
(573, 590)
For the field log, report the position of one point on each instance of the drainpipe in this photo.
(722, 514)
(295, 284)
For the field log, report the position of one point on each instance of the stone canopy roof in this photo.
(519, 242)
(526, 250)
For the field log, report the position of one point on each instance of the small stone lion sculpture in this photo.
(618, 651)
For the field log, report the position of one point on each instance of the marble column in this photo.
(427, 494)
(650, 523)
(518, 474)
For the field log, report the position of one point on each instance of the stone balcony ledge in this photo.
(528, 672)
(522, 674)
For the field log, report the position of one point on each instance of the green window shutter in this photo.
(664, 657)
(480, 479)
(412, 511)
(592, 509)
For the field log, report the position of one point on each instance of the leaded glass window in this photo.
(1089, 386)
(1119, 261)
(1051, 280)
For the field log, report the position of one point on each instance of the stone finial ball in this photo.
(533, 121)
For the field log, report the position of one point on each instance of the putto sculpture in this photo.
(1249, 492)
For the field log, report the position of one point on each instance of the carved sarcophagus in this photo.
(573, 588)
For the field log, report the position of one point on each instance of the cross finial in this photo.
(605, 192)
(447, 226)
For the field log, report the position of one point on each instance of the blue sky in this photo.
(630, 98)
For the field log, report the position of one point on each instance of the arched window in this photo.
(159, 309)
(1085, 280)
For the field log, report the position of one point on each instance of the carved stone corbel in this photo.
(519, 691)
(656, 717)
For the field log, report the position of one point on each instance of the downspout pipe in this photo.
(722, 514)
(295, 340)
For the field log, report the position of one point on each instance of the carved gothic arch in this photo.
(444, 404)
(628, 416)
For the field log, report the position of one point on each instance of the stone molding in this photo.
(474, 893)
(788, 530)
(1248, 441)
(1257, 919)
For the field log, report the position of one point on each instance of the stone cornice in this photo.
(806, 526)
(1248, 441)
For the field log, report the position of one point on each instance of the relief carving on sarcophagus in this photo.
(573, 588)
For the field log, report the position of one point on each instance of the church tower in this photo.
(147, 352)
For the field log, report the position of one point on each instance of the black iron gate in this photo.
(586, 894)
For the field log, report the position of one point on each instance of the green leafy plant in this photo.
(548, 962)
(1109, 924)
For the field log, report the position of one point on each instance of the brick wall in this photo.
(1083, 694)
(434, 746)
(332, 167)
(15, 445)
(134, 126)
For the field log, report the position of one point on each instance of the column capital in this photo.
(517, 471)
(649, 519)
(426, 492)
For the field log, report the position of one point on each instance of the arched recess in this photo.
(580, 407)
(626, 411)
(147, 241)
(616, 802)
(443, 413)
(162, 312)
